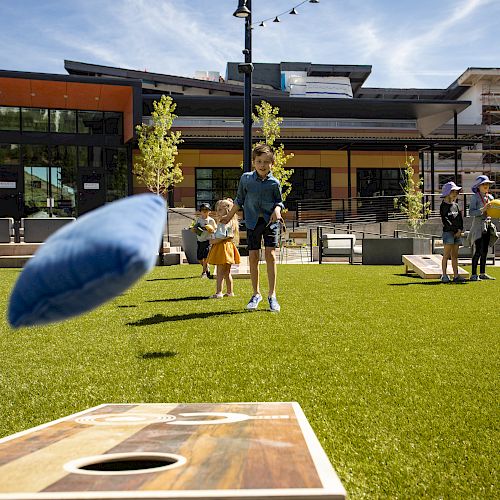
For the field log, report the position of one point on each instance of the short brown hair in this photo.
(262, 149)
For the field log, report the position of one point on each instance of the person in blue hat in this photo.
(482, 232)
(453, 225)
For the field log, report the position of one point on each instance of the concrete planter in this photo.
(189, 245)
(389, 252)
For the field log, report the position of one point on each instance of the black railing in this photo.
(364, 209)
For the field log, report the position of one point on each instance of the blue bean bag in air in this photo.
(89, 261)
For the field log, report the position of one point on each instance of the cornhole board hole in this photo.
(238, 271)
(170, 451)
(428, 266)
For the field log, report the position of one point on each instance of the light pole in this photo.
(244, 10)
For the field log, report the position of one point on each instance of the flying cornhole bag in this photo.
(89, 261)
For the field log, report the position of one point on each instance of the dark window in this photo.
(34, 120)
(113, 123)
(10, 118)
(90, 156)
(35, 155)
(63, 120)
(379, 182)
(308, 184)
(213, 184)
(9, 154)
(116, 165)
(90, 122)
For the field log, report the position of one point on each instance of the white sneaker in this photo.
(254, 302)
(445, 278)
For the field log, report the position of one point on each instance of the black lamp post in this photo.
(244, 10)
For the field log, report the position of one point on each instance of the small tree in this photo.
(156, 166)
(411, 204)
(270, 122)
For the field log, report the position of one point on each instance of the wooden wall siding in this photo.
(271, 451)
(184, 192)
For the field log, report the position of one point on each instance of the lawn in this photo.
(398, 376)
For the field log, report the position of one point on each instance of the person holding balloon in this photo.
(483, 232)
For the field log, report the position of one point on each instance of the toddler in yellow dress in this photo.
(223, 252)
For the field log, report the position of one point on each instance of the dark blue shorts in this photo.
(202, 249)
(270, 234)
(450, 239)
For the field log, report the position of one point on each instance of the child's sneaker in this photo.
(475, 277)
(459, 279)
(273, 304)
(216, 296)
(254, 302)
(229, 294)
(204, 275)
(445, 278)
(209, 276)
(486, 277)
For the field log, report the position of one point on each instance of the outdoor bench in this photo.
(338, 245)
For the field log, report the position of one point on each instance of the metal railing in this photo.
(365, 209)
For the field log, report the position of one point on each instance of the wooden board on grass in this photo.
(429, 266)
(170, 451)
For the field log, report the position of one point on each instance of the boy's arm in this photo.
(278, 204)
(231, 213)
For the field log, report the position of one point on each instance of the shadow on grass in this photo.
(426, 283)
(160, 318)
(181, 299)
(173, 279)
(124, 307)
(157, 355)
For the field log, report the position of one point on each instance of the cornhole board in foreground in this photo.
(170, 451)
(429, 266)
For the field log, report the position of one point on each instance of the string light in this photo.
(276, 19)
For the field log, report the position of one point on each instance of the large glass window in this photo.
(10, 118)
(35, 119)
(379, 182)
(90, 156)
(213, 184)
(308, 184)
(90, 122)
(34, 155)
(9, 154)
(63, 120)
(116, 173)
(63, 179)
(113, 123)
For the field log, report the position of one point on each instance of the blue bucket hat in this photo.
(482, 179)
(448, 188)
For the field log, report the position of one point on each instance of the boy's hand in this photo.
(275, 216)
(225, 219)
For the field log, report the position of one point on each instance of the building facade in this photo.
(67, 142)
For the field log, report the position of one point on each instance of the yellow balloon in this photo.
(494, 210)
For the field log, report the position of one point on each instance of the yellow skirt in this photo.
(224, 252)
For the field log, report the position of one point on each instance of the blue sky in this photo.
(418, 43)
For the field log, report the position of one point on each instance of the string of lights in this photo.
(276, 19)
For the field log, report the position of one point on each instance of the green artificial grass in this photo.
(398, 376)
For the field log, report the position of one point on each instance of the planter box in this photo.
(389, 252)
(189, 245)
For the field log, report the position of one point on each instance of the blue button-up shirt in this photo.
(258, 197)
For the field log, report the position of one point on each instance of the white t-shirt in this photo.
(201, 222)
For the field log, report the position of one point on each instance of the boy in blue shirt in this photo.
(259, 194)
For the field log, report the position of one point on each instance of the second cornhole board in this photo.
(170, 451)
(429, 266)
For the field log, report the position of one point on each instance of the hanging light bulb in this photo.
(313, 1)
(262, 24)
(276, 20)
(293, 11)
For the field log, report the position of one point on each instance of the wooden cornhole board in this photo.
(171, 451)
(429, 266)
